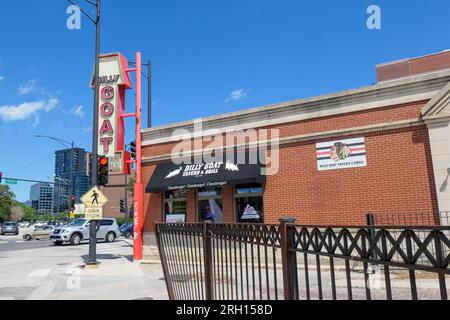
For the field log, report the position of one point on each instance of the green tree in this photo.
(47, 217)
(62, 216)
(6, 203)
(29, 214)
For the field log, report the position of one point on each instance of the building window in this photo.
(210, 204)
(175, 206)
(249, 203)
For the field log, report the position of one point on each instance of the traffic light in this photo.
(133, 150)
(122, 205)
(103, 171)
(72, 203)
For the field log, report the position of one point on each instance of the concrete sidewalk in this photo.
(60, 273)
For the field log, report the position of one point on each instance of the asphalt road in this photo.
(13, 243)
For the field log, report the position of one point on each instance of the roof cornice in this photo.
(439, 106)
(411, 89)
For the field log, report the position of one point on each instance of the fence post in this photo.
(371, 222)
(164, 262)
(207, 253)
(289, 258)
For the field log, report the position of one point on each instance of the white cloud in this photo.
(78, 111)
(87, 129)
(2, 78)
(26, 110)
(27, 88)
(238, 95)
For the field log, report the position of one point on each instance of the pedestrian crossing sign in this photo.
(94, 198)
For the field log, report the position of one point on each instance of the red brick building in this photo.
(382, 149)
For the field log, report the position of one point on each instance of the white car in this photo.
(79, 230)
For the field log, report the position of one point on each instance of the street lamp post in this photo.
(93, 224)
(65, 144)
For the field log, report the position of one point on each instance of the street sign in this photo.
(93, 213)
(79, 209)
(94, 200)
(8, 181)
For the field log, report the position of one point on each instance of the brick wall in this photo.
(399, 176)
(414, 66)
(115, 191)
(398, 179)
(350, 120)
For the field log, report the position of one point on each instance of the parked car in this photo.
(39, 233)
(9, 227)
(126, 230)
(78, 231)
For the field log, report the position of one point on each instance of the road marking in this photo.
(20, 241)
(39, 273)
(4, 242)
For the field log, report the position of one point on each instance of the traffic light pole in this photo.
(127, 216)
(93, 224)
(138, 186)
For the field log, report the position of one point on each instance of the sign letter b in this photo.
(74, 20)
(374, 20)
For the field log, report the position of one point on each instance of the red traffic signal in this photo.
(103, 171)
(103, 161)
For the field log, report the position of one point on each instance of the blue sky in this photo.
(209, 57)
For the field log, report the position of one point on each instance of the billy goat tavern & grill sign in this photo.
(170, 176)
(202, 170)
(342, 154)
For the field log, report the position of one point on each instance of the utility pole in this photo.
(93, 224)
(71, 187)
(150, 107)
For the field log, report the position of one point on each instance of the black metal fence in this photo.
(286, 261)
(412, 219)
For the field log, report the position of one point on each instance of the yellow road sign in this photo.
(94, 198)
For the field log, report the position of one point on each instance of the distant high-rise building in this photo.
(41, 197)
(80, 178)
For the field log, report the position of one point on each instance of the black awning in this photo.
(170, 176)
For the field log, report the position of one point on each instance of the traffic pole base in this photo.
(92, 265)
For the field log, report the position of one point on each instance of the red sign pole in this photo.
(138, 186)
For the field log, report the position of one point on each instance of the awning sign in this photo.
(341, 154)
(170, 176)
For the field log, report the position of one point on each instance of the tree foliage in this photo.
(29, 214)
(6, 203)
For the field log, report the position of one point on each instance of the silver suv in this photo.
(78, 231)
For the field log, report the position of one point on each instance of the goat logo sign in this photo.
(94, 200)
(350, 153)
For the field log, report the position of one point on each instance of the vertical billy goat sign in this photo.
(114, 80)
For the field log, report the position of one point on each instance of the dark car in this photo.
(10, 227)
(126, 230)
